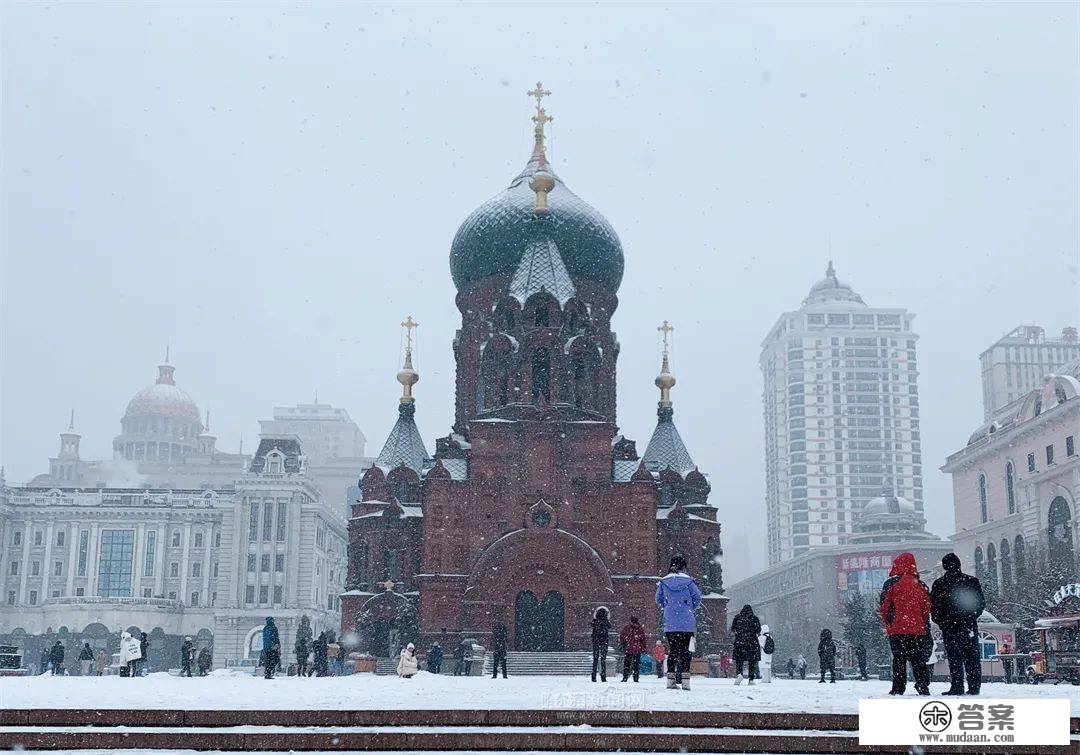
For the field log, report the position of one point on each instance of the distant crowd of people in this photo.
(132, 658)
(906, 608)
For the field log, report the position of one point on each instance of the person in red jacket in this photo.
(905, 611)
(632, 638)
(659, 653)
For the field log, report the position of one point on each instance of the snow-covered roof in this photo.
(542, 269)
(666, 449)
(622, 469)
(404, 444)
(458, 468)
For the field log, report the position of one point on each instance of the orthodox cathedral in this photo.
(534, 511)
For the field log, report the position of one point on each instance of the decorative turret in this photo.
(666, 449)
(407, 376)
(69, 441)
(404, 444)
(207, 442)
(542, 181)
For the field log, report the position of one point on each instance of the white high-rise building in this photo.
(1017, 363)
(841, 410)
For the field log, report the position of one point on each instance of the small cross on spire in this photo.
(539, 93)
(665, 329)
(409, 324)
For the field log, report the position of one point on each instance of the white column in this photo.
(185, 562)
(208, 563)
(46, 578)
(138, 554)
(23, 597)
(91, 559)
(73, 555)
(159, 562)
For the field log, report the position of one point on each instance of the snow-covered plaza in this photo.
(228, 690)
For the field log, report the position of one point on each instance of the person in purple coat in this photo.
(678, 596)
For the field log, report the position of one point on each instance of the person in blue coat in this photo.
(272, 647)
(678, 596)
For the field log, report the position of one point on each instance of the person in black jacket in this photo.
(187, 655)
(601, 628)
(745, 649)
(144, 648)
(860, 658)
(956, 602)
(56, 657)
(826, 650)
(320, 665)
(498, 649)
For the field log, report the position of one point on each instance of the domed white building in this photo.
(161, 423)
(889, 519)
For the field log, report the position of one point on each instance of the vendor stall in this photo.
(1058, 658)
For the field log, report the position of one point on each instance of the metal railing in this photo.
(101, 600)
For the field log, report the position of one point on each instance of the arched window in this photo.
(1038, 406)
(585, 365)
(1010, 488)
(1019, 559)
(983, 513)
(541, 373)
(991, 582)
(390, 563)
(542, 319)
(1059, 539)
(979, 562)
(987, 645)
(1006, 566)
(493, 387)
(710, 565)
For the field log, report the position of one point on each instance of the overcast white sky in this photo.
(271, 187)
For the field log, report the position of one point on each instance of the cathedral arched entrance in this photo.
(539, 624)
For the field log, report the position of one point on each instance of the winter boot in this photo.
(671, 680)
(752, 682)
(686, 682)
(738, 680)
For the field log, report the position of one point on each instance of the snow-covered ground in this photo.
(230, 690)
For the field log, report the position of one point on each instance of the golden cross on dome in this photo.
(541, 118)
(409, 324)
(539, 93)
(666, 329)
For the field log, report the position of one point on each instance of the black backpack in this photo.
(770, 646)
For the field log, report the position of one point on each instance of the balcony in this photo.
(76, 600)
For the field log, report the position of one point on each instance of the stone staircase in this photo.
(386, 666)
(555, 663)
(523, 663)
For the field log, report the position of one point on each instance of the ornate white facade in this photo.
(176, 538)
(1016, 483)
(211, 563)
(841, 409)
